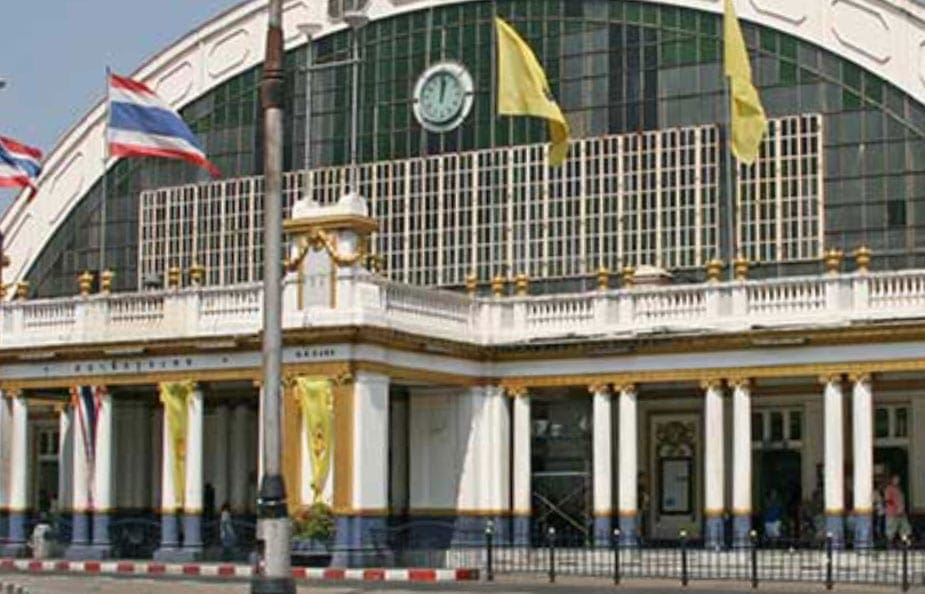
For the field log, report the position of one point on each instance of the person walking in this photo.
(879, 501)
(897, 523)
(226, 532)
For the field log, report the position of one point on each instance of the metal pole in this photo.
(309, 62)
(105, 188)
(272, 516)
(354, 109)
(730, 201)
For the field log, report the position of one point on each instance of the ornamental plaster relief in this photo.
(228, 53)
(177, 84)
(862, 29)
(794, 12)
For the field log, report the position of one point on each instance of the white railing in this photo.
(364, 300)
(786, 297)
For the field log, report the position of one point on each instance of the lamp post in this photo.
(272, 514)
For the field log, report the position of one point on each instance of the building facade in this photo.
(621, 343)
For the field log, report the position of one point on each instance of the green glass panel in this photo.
(768, 40)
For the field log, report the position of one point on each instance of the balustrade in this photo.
(732, 306)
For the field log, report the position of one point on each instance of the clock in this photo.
(443, 96)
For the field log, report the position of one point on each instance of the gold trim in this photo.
(831, 377)
(343, 446)
(516, 391)
(746, 511)
(857, 378)
(713, 383)
(522, 513)
(599, 388)
(603, 514)
(628, 513)
(473, 513)
(735, 382)
(862, 511)
(714, 513)
(357, 223)
(835, 512)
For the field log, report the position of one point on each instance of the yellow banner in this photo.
(316, 403)
(523, 89)
(747, 114)
(175, 397)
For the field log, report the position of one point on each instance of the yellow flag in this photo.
(748, 119)
(175, 397)
(316, 402)
(524, 90)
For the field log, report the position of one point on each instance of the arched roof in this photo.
(883, 36)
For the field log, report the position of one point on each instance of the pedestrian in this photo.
(773, 512)
(226, 532)
(879, 501)
(897, 523)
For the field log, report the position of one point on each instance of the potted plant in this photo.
(313, 531)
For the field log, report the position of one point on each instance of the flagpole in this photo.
(730, 172)
(105, 181)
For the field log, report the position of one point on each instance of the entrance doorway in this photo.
(561, 468)
(778, 483)
(45, 446)
(675, 469)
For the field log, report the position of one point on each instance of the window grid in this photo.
(780, 198)
(634, 199)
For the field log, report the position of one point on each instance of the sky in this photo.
(53, 55)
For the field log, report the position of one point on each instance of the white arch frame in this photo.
(884, 36)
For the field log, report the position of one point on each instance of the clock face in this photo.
(443, 97)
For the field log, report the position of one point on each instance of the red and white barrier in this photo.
(229, 571)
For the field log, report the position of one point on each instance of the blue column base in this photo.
(714, 533)
(863, 531)
(360, 541)
(741, 531)
(603, 535)
(101, 529)
(835, 525)
(192, 533)
(520, 531)
(469, 531)
(170, 539)
(629, 537)
(80, 528)
(16, 543)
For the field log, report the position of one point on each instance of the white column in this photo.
(628, 457)
(834, 457)
(241, 453)
(220, 460)
(602, 458)
(862, 421)
(371, 443)
(497, 448)
(19, 455)
(192, 500)
(834, 446)
(741, 448)
(741, 460)
(102, 469)
(65, 459)
(520, 473)
(714, 463)
(259, 437)
(6, 430)
(168, 497)
(80, 480)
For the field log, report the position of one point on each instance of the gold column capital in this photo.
(860, 377)
(599, 388)
(739, 382)
(831, 378)
(711, 383)
(628, 388)
(516, 391)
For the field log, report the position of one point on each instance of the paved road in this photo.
(87, 585)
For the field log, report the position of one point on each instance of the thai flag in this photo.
(19, 164)
(141, 124)
(87, 401)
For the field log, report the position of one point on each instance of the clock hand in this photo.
(442, 87)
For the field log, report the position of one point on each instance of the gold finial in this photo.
(472, 284)
(197, 274)
(740, 267)
(603, 278)
(84, 281)
(833, 259)
(862, 257)
(497, 286)
(22, 290)
(522, 284)
(173, 277)
(629, 276)
(106, 281)
(715, 270)
(3, 289)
